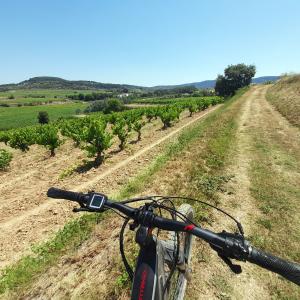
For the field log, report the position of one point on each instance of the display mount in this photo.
(97, 202)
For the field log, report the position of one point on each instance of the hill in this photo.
(48, 82)
(285, 96)
(209, 84)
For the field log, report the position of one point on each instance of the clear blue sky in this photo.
(146, 42)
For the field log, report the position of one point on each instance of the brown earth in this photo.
(27, 215)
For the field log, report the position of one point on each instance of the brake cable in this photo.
(239, 225)
(155, 200)
(175, 260)
(123, 256)
(160, 197)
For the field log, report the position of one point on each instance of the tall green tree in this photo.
(234, 78)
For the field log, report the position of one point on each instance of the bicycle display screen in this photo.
(97, 201)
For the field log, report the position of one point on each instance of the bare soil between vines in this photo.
(27, 215)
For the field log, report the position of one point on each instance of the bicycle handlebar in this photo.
(287, 269)
(226, 244)
(63, 194)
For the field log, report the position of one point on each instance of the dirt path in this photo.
(25, 211)
(219, 281)
(253, 283)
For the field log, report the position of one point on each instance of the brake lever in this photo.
(237, 269)
(79, 209)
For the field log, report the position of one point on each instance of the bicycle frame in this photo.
(149, 276)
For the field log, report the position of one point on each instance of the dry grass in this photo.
(285, 96)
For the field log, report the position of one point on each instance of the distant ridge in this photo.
(209, 84)
(48, 82)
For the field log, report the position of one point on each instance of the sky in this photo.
(146, 42)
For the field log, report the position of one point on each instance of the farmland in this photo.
(15, 117)
(26, 95)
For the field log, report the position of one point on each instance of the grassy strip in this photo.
(275, 185)
(74, 233)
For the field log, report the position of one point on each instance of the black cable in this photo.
(153, 197)
(115, 211)
(123, 256)
(175, 260)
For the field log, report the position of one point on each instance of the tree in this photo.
(106, 106)
(43, 117)
(96, 106)
(113, 105)
(234, 78)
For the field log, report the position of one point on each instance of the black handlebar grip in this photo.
(287, 269)
(63, 194)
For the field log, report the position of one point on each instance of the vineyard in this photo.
(94, 133)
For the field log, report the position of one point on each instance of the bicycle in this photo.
(159, 259)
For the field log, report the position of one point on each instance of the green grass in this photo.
(48, 93)
(39, 96)
(14, 117)
(30, 101)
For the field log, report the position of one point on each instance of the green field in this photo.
(39, 96)
(14, 117)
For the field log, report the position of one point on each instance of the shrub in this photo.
(43, 117)
(5, 159)
(22, 138)
(168, 115)
(47, 136)
(192, 108)
(4, 137)
(96, 139)
(121, 129)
